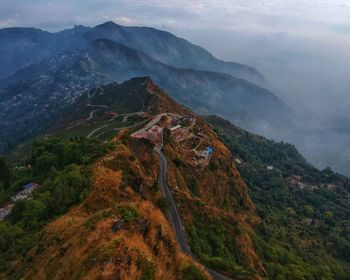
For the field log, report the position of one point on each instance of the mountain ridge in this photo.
(104, 61)
(252, 208)
(124, 178)
(192, 58)
(135, 42)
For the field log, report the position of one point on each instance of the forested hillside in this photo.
(305, 228)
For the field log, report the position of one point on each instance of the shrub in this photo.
(191, 272)
(129, 214)
(163, 203)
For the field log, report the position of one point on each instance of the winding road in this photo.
(174, 215)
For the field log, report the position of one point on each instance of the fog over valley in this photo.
(311, 77)
(300, 47)
(308, 68)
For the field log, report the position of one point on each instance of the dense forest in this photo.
(305, 226)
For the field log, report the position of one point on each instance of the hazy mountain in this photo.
(22, 47)
(32, 96)
(171, 50)
(203, 91)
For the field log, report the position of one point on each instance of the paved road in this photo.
(157, 119)
(126, 115)
(95, 130)
(99, 106)
(91, 116)
(174, 215)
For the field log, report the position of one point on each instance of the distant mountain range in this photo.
(43, 72)
(22, 47)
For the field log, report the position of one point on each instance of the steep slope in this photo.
(204, 91)
(117, 227)
(305, 211)
(23, 47)
(53, 83)
(251, 208)
(169, 49)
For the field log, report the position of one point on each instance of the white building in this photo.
(5, 211)
(175, 127)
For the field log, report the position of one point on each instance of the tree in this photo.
(9, 235)
(129, 214)
(163, 203)
(34, 213)
(191, 272)
(45, 161)
(5, 173)
(155, 186)
(67, 187)
(329, 218)
(308, 211)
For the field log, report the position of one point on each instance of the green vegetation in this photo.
(155, 186)
(5, 176)
(62, 168)
(129, 214)
(5, 173)
(148, 268)
(191, 272)
(211, 240)
(164, 204)
(305, 231)
(106, 129)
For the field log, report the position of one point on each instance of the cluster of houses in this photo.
(25, 192)
(21, 195)
(298, 182)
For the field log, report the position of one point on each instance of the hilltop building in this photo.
(25, 192)
(5, 211)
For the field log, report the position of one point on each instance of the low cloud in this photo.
(126, 21)
(10, 22)
(301, 46)
(296, 16)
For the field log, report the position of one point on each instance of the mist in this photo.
(311, 75)
(301, 47)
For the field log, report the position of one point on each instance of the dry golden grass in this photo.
(81, 244)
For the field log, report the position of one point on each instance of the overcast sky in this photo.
(192, 19)
(270, 15)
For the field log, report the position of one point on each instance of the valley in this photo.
(129, 153)
(159, 190)
(36, 94)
